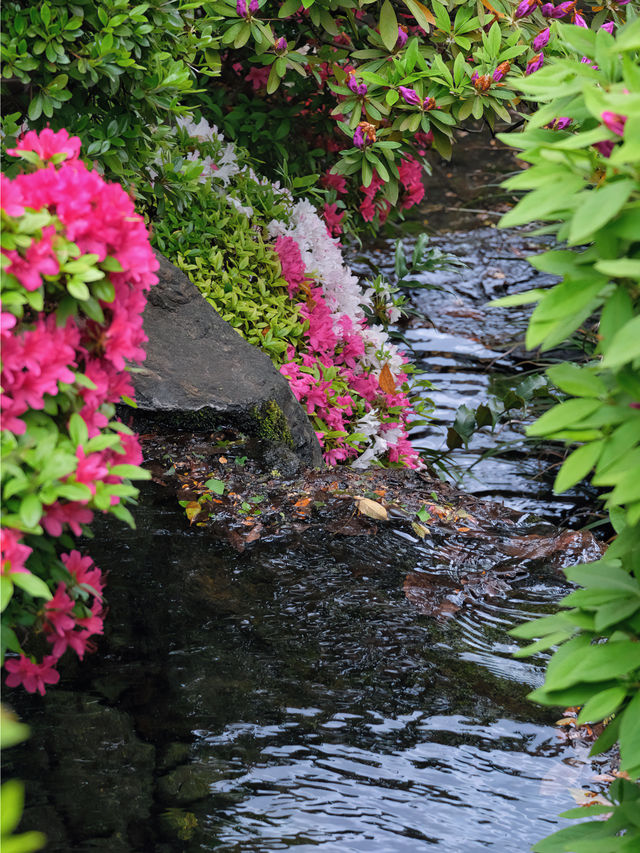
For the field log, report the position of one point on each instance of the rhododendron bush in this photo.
(348, 95)
(311, 316)
(76, 266)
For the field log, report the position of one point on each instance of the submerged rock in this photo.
(200, 373)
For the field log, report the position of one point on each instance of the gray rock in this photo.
(85, 736)
(200, 373)
(189, 783)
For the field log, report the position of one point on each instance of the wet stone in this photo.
(188, 783)
(114, 789)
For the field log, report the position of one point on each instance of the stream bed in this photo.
(304, 692)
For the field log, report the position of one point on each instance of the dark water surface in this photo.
(298, 696)
(304, 694)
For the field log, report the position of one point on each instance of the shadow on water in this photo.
(306, 693)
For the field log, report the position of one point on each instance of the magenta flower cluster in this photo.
(67, 368)
(331, 380)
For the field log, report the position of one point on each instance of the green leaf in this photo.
(78, 430)
(577, 465)
(6, 591)
(540, 203)
(630, 734)
(32, 584)
(598, 663)
(563, 416)
(30, 511)
(602, 705)
(615, 613)
(216, 486)
(388, 26)
(519, 298)
(620, 268)
(603, 574)
(423, 16)
(608, 737)
(577, 381)
(12, 805)
(625, 345)
(131, 472)
(597, 207)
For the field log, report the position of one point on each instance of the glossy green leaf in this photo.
(32, 584)
(388, 25)
(564, 415)
(602, 705)
(597, 207)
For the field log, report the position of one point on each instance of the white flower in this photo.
(248, 211)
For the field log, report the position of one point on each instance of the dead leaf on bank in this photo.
(386, 380)
(254, 534)
(588, 798)
(192, 511)
(235, 540)
(420, 530)
(372, 509)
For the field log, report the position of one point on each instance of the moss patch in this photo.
(272, 424)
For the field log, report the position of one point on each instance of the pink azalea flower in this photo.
(32, 676)
(11, 200)
(333, 219)
(73, 513)
(257, 77)
(47, 143)
(410, 177)
(609, 27)
(90, 468)
(358, 137)
(605, 147)
(402, 37)
(39, 259)
(83, 571)
(78, 641)
(423, 141)
(281, 45)
(336, 182)
(293, 270)
(58, 611)
(13, 554)
(614, 122)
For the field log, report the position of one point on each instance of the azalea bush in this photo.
(76, 266)
(277, 275)
(584, 137)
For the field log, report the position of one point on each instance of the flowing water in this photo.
(308, 693)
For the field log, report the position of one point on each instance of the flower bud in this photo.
(535, 64)
(402, 36)
(542, 39)
(410, 96)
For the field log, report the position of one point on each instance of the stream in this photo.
(306, 693)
